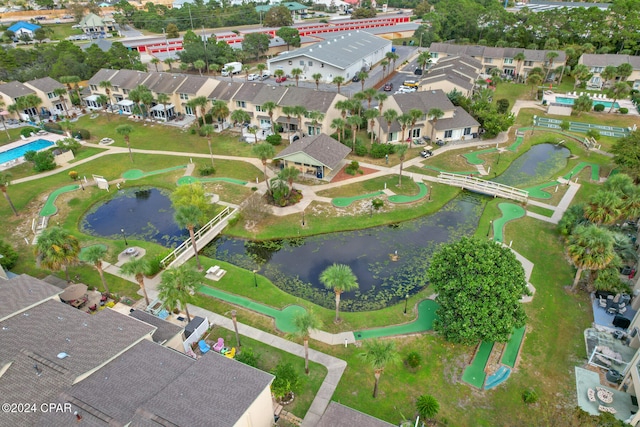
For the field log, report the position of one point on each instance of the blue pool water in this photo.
(569, 101)
(16, 153)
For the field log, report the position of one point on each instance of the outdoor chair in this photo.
(217, 347)
(204, 347)
(591, 394)
(622, 310)
(602, 302)
(231, 354)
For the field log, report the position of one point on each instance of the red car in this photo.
(281, 79)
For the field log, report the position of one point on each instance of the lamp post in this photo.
(429, 187)
(406, 301)
(489, 230)
(303, 218)
(255, 279)
(124, 236)
(235, 326)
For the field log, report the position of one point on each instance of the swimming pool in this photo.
(16, 153)
(569, 101)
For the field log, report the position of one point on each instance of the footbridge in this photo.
(482, 186)
(203, 236)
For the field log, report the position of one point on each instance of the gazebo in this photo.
(316, 155)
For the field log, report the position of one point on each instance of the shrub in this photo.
(593, 133)
(26, 132)
(207, 170)
(154, 265)
(378, 151)
(82, 134)
(52, 126)
(42, 161)
(413, 359)
(286, 380)
(503, 105)
(69, 144)
(361, 149)
(353, 168)
(248, 357)
(623, 110)
(427, 406)
(9, 256)
(529, 396)
(377, 203)
(598, 107)
(274, 139)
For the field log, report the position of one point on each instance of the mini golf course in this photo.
(474, 373)
(537, 192)
(595, 171)
(426, 315)
(401, 198)
(132, 174)
(510, 355)
(191, 179)
(473, 158)
(343, 202)
(49, 207)
(433, 168)
(510, 212)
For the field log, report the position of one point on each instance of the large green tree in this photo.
(479, 284)
(177, 287)
(339, 278)
(278, 16)
(379, 354)
(264, 151)
(57, 249)
(255, 44)
(626, 154)
(290, 35)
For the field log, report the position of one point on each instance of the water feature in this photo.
(144, 213)
(295, 265)
(537, 165)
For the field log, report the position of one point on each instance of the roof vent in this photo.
(62, 355)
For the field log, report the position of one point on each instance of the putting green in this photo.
(458, 173)
(595, 171)
(343, 202)
(284, 318)
(513, 347)
(510, 212)
(132, 174)
(49, 207)
(401, 198)
(426, 315)
(191, 179)
(516, 144)
(83, 251)
(537, 192)
(474, 373)
(473, 157)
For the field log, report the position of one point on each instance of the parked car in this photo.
(265, 75)
(426, 153)
(355, 79)
(388, 87)
(440, 142)
(281, 79)
(418, 71)
(251, 77)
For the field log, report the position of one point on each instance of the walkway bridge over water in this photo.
(203, 237)
(482, 186)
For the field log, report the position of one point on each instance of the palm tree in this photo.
(214, 68)
(107, 86)
(604, 207)
(146, 97)
(380, 97)
(379, 354)
(384, 64)
(590, 248)
(287, 110)
(392, 56)
(534, 80)
(103, 100)
(270, 107)
(354, 122)
(69, 80)
(427, 406)
(261, 67)
(95, 255)
(208, 130)
(60, 92)
(264, 151)
(550, 57)
(370, 116)
(253, 130)
(362, 75)
(435, 114)
(405, 121)
(164, 99)
(4, 183)
(415, 114)
(230, 71)
(299, 111)
(369, 95)
(194, 104)
(190, 217)
(304, 323)
(389, 115)
(220, 110)
(317, 77)
(338, 81)
(424, 58)
(169, 62)
(289, 175)
(519, 58)
(401, 150)
(137, 267)
(619, 90)
(31, 101)
(277, 74)
(316, 119)
(155, 61)
(57, 249)
(344, 106)
(340, 278)
(199, 65)
(240, 116)
(246, 68)
(125, 131)
(177, 287)
(338, 124)
(296, 73)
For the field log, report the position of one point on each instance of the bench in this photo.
(213, 270)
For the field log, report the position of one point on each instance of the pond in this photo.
(144, 213)
(537, 165)
(295, 265)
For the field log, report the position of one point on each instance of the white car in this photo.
(252, 77)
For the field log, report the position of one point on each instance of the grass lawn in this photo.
(408, 187)
(61, 31)
(539, 210)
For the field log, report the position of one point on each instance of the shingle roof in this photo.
(15, 90)
(462, 58)
(434, 79)
(23, 292)
(102, 75)
(164, 330)
(341, 51)
(46, 84)
(338, 415)
(494, 52)
(460, 119)
(164, 82)
(423, 101)
(269, 93)
(457, 67)
(322, 148)
(26, 25)
(93, 20)
(192, 84)
(129, 79)
(602, 60)
(309, 98)
(224, 91)
(248, 91)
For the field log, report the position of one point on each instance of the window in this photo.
(467, 131)
(115, 89)
(528, 63)
(125, 91)
(488, 60)
(415, 133)
(94, 87)
(448, 133)
(597, 69)
(434, 54)
(51, 95)
(240, 104)
(508, 60)
(188, 110)
(259, 108)
(302, 63)
(310, 63)
(184, 96)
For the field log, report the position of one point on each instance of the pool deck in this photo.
(53, 137)
(550, 97)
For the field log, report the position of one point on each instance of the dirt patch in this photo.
(343, 176)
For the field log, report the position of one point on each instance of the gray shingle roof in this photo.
(423, 101)
(220, 388)
(433, 79)
(338, 415)
(22, 292)
(341, 51)
(224, 91)
(309, 98)
(602, 60)
(460, 119)
(164, 82)
(46, 84)
(248, 91)
(129, 79)
(15, 90)
(456, 67)
(494, 52)
(102, 75)
(164, 330)
(323, 148)
(463, 59)
(269, 93)
(192, 84)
